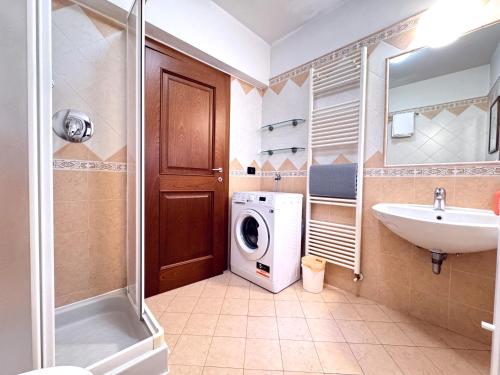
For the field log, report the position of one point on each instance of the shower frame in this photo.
(150, 353)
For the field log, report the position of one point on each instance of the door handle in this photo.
(488, 326)
(220, 170)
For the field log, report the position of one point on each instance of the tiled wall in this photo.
(89, 178)
(89, 238)
(395, 272)
(399, 274)
(450, 135)
(279, 103)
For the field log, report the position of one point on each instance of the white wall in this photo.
(15, 281)
(205, 31)
(246, 120)
(495, 65)
(354, 20)
(292, 102)
(466, 84)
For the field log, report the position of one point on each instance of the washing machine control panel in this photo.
(254, 198)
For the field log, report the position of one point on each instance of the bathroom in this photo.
(119, 230)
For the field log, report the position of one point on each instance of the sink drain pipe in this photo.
(437, 261)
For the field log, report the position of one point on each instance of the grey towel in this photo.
(335, 180)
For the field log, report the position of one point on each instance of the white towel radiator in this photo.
(337, 127)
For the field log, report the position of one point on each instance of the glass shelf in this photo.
(292, 122)
(293, 150)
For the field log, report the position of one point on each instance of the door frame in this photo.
(163, 48)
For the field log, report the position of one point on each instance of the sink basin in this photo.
(455, 230)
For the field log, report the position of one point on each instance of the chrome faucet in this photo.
(439, 199)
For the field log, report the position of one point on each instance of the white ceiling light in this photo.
(446, 20)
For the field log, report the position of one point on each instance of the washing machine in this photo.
(266, 238)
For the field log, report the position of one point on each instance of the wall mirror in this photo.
(440, 102)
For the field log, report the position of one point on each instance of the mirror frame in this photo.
(386, 112)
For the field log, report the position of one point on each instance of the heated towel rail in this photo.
(337, 127)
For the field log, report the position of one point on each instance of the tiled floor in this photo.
(226, 325)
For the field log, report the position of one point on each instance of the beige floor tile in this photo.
(449, 362)
(333, 295)
(260, 307)
(159, 303)
(374, 360)
(226, 352)
(201, 324)
(231, 326)
(299, 356)
(190, 350)
(214, 291)
(352, 298)
(337, 358)
(371, 313)
(208, 306)
(288, 309)
(356, 332)
(421, 335)
(171, 340)
(411, 360)
(480, 359)
(184, 370)
(262, 327)
(192, 290)
(182, 304)
(235, 307)
(237, 291)
(236, 280)
(288, 294)
(219, 279)
(315, 310)
(325, 330)
(173, 323)
(301, 373)
(256, 292)
(389, 333)
(456, 341)
(308, 297)
(343, 311)
(263, 354)
(396, 315)
(293, 329)
(267, 372)
(222, 371)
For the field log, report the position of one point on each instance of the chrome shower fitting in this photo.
(72, 126)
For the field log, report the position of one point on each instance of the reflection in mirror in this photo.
(438, 102)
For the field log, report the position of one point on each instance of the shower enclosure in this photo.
(78, 209)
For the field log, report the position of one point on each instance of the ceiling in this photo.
(274, 19)
(471, 50)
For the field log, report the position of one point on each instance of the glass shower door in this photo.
(135, 121)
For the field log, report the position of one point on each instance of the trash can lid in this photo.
(313, 262)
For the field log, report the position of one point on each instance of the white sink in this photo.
(455, 230)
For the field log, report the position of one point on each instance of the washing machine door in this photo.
(252, 234)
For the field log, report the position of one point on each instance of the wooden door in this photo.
(186, 140)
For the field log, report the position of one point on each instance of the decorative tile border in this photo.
(433, 171)
(87, 165)
(442, 106)
(243, 173)
(389, 32)
(491, 170)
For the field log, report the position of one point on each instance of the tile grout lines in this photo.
(312, 307)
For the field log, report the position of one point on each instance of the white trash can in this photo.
(313, 273)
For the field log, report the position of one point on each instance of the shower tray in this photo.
(102, 332)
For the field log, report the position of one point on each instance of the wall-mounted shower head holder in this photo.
(72, 126)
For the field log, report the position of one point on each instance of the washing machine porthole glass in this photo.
(250, 232)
